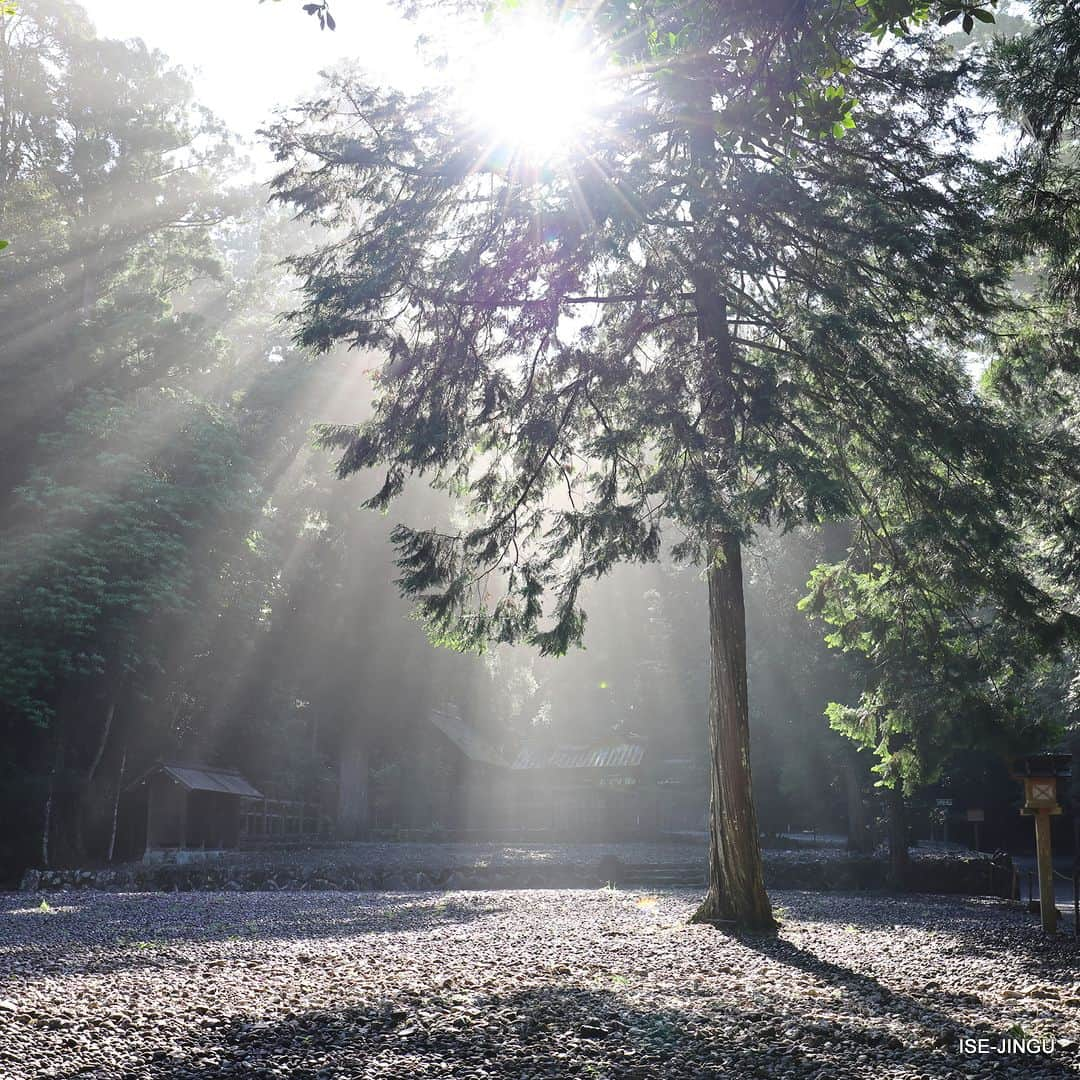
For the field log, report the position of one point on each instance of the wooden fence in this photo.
(268, 821)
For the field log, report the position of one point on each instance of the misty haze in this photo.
(538, 539)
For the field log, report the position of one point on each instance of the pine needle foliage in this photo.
(540, 326)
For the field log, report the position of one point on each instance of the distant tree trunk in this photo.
(116, 804)
(354, 767)
(736, 879)
(46, 824)
(898, 837)
(82, 805)
(859, 836)
(106, 727)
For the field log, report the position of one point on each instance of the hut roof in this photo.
(468, 740)
(621, 756)
(199, 777)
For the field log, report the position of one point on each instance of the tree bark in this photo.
(859, 837)
(898, 840)
(353, 816)
(736, 878)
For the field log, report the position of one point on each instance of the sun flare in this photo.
(535, 88)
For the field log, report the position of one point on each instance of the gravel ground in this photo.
(523, 984)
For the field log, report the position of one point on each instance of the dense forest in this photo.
(182, 572)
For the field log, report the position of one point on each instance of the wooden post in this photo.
(1047, 906)
(1076, 867)
(1041, 775)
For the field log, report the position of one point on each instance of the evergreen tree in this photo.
(1035, 78)
(764, 299)
(954, 661)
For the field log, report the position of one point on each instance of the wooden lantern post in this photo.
(1040, 775)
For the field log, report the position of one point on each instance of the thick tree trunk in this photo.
(353, 816)
(736, 879)
(898, 839)
(859, 837)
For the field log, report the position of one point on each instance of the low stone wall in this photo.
(973, 875)
(836, 871)
(165, 877)
(852, 873)
(966, 874)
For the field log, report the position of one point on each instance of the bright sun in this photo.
(534, 88)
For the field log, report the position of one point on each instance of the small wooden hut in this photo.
(191, 806)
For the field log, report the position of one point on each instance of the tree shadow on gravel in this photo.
(561, 1031)
(147, 931)
(963, 919)
(883, 910)
(871, 998)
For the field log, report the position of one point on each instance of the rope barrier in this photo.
(1056, 873)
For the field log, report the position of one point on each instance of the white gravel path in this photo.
(551, 984)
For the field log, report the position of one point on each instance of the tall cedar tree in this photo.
(688, 325)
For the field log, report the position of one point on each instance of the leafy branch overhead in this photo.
(541, 326)
(816, 99)
(903, 16)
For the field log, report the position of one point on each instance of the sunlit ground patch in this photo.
(45, 908)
